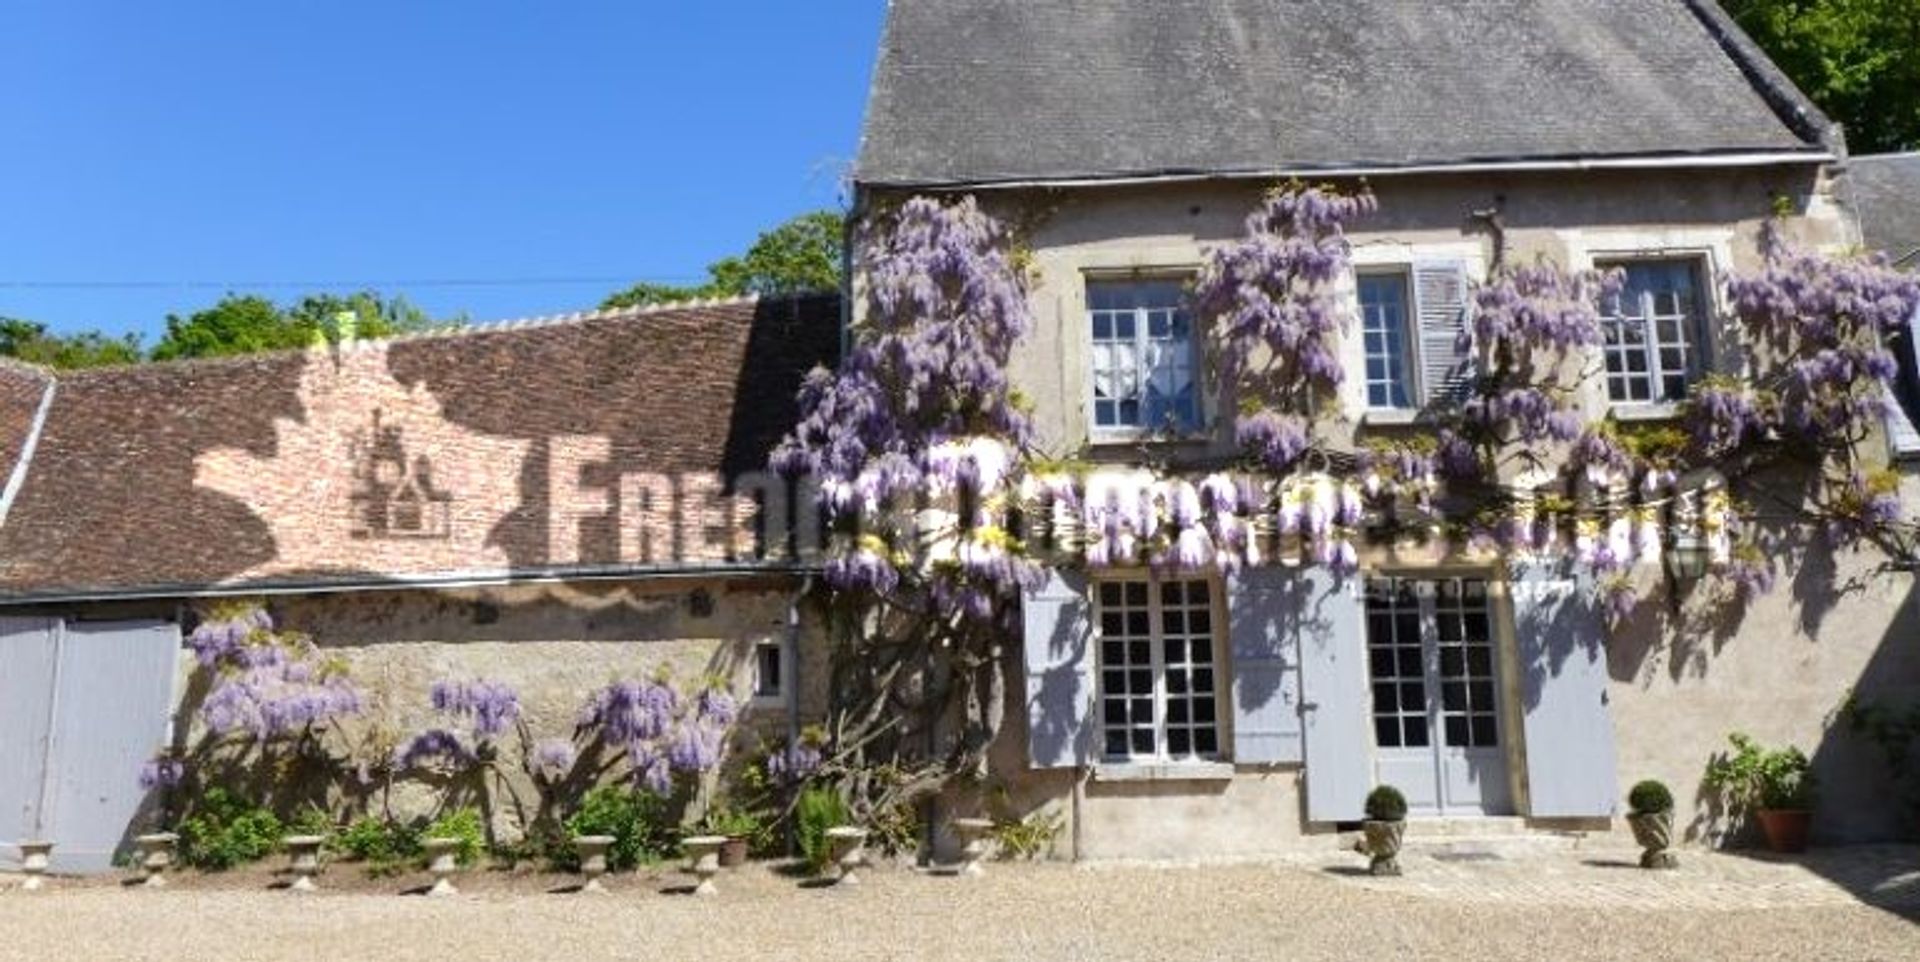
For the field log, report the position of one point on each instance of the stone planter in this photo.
(846, 849)
(972, 833)
(443, 859)
(156, 856)
(703, 860)
(734, 853)
(593, 859)
(303, 859)
(1654, 833)
(34, 859)
(1381, 843)
(1786, 829)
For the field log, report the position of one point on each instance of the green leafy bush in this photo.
(385, 846)
(636, 821)
(818, 809)
(462, 824)
(1029, 837)
(1386, 804)
(225, 831)
(1650, 797)
(1754, 778)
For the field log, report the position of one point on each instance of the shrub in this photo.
(636, 821)
(225, 831)
(819, 808)
(382, 844)
(462, 824)
(1752, 777)
(1386, 804)
(1650, 797)
(1030, 837)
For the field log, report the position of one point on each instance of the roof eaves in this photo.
(1788, 102)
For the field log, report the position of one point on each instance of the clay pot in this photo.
(733, 854)
(1786, 829)
(1654, 832)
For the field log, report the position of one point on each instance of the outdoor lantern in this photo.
(1687, 558)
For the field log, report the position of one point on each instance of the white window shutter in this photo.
(1329, 625)
(1058, 628)
(1264, 605)
(1440, 314)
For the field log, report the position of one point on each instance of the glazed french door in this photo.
(1434, 672)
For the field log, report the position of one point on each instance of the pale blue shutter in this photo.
(29, 649)
(1440, 312)
(1263, 639)
(1058, 629)
(1330, 623)
(1561, 635)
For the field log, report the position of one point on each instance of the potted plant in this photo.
(1775, 785)
(1650, 815)
(1385, 829)
(737, 826)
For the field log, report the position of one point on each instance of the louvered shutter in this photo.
(1563, 664)
(1440, 309)
(1058, 627)
(1263, 636)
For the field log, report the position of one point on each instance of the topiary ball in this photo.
(1650, 797)
(1386, 804)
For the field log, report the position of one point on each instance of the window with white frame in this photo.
(1145, 357)
(1159, 699)
(1653, 333)
(1386, 339)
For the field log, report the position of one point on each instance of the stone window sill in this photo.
(1645, 412)
(1168, 772)
(1389, 417)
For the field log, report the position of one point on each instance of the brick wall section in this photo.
(246, 470)
(21, 388)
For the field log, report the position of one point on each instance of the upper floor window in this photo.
(1384, 330)
(1145, 357)
(1653, 334)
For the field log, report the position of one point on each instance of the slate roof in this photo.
(996, 91)
(235, 473)
(1886, 195)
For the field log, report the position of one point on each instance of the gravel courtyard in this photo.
(1567, 906)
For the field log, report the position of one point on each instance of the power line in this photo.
(362, 283)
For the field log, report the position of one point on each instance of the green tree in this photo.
(803, 254)
(30, 341)
(245, 324)
(1858, 59)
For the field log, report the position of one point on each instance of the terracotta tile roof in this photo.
(552, 445)
(22, 389)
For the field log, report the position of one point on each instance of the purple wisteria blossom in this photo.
(553, 758)
(627, 712)
(796, 762)
(493, 706)
(162, 772)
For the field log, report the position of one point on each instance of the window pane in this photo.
(1383, 326)
(1144, 357)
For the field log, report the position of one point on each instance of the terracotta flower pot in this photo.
(1786, 829)
(733, 854)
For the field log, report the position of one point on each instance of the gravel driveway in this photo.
(1028, 912)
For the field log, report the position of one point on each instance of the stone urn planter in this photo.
(703, 860)
(846, 849)
(34, 859)
(593, 859)
(443, 859)
(1785, 828)
(303, 860)
(973, 834)
(1653, 832)
(156, 856)
(1380, 842)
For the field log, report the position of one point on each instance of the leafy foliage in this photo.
(819, 808)
(465, 826)
(225, 830)
(29, 341)
(1650, 796)
(1858, 59)
(635, 819)
(803, 254)
(1386, 804)
(1028, 837)
(247, 324)
(1752, 777)
(383, 844)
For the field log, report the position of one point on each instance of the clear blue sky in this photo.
(235, 142)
